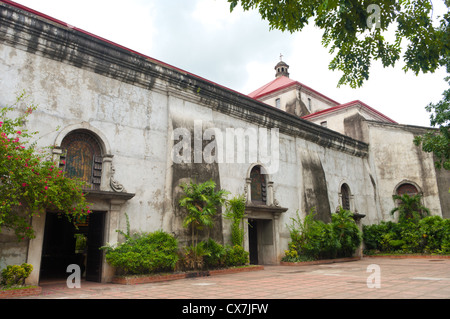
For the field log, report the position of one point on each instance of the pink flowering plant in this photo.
(30, 182)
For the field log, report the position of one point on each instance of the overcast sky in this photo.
(237, 50)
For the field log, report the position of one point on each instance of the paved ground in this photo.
(398, 279)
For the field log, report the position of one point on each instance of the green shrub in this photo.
(384, 236)
(346, 233)
(313, 239)
(411, 234)
(430, 234)
(236, 256)
(291, 255)
(15, 275)
(216, 254)
(435, 233)
(144, 253)
(210, 255)
(320, 242)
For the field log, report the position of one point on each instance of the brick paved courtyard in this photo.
(398, 279)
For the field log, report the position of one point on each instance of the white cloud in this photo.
(215, 15)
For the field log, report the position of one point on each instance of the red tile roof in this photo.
(277, 84)
(280, 83)
(347, 105)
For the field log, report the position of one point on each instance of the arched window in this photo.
(345, 196)
(407, 188)
(258, 185)
(82, 158)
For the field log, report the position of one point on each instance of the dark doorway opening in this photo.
(65, 244)
(253, 241)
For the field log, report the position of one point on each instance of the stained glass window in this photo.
(258, 186)
(82, 158)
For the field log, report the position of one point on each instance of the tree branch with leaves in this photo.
(30, 182)
(357, 32)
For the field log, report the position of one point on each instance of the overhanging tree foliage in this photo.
(357, 31)
(30, 182)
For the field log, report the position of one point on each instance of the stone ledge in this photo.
(319, 262)
(169, 277)
(409, 256)
(14, 293)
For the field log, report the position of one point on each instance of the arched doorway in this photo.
(77, 242)
(261, 238)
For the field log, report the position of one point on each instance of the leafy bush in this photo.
(373, 234)
(436, 233)
(210, 255)
(430, 234)
(144, 253)
(291, 255)
(236, 256)
(216, 254)
(347, 234)
(313, 239)
(15, 275)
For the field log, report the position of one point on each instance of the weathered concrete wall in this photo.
(12, 252)
(395, 160)
(443, 178)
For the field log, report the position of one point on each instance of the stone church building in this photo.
(145, 127)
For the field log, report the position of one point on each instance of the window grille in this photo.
(258, 185)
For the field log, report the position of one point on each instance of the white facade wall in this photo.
(395, 160)
(137, 125)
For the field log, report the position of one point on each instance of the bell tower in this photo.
(282, 69)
